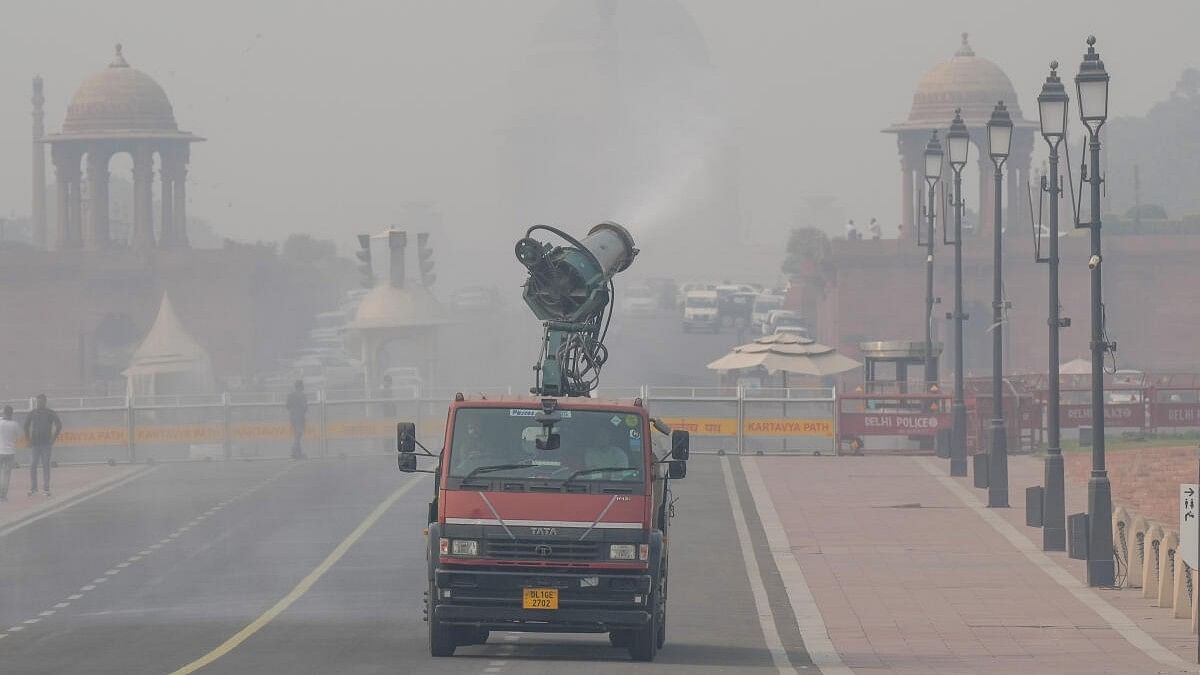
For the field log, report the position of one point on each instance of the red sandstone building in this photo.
(874, 289)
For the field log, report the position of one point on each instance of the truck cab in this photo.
(549, 515)
(700, 311)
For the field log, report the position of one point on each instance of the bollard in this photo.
(980, 469)
(227, 420)
(1077, 532)
(1120, 532)
(1137, 552)
(1182, 602)
(1034, 498)
(1166, 569)
(1153, 541)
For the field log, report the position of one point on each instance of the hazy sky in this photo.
(323, 117)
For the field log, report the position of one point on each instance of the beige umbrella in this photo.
(786, 353)
(1076, 367)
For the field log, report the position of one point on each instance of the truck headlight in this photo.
(622, 552)
(464, 547)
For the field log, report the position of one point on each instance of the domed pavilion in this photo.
(120, 109)
(975, 85)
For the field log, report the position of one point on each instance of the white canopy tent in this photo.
(169, 360)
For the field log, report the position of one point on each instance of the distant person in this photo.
(10, 431)
(297, 407)
(851, 230)
(875, 229)
(42, 427)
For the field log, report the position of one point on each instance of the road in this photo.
(318, 567)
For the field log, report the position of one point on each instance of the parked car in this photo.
(764, 304)
(639, 301)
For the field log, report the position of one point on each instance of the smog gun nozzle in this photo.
(570, 290)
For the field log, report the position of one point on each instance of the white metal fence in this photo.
(250, 425)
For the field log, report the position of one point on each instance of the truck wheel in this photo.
(480, 636)
(441, 636)
(643, 643)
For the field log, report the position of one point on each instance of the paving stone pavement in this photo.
(911, 580)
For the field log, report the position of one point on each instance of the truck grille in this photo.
(523, 549)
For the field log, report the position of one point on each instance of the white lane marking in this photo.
(1111, 615)
(89, 587)
(155, 547)
(62, 605)
(122, 565)
(497, 663)
(100, 580)
(146, 552)
(305, 584)
(31, 621)
(135, 558)
(111, 572)
(766, 618)
(77, 500)
(491, 670)
(49, 612)
(75, 596)
(812, 626)
(15, 629)
(3, 635)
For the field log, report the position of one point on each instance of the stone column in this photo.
(39, 167)
(167, 235)
(66, 176)
(912, 171)
(75, 210)
(180, 197)
(143, 196)
(96, 229)
(1019, 165)
(986, 177)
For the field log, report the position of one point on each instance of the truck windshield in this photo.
(700, 303)
(502, 442)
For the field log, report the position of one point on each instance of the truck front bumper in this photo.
(588, 601)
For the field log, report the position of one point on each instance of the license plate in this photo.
(539, 598)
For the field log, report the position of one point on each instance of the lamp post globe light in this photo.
(959, 141)
(1052, 113)
(933, 174)
(999, 134)
(1092, 87)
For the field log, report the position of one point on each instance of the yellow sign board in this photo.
(727, 426)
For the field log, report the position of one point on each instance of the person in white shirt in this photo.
(10, 431)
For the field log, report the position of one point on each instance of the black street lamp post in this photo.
(1052, 112)
(933, 174)
(999, 133)
(1092, 88)
(959, 141)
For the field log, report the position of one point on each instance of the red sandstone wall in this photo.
(1150, 292)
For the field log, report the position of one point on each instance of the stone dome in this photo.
(966, 81)
(119, 99)
(386, 306)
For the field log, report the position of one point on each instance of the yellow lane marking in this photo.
(301, 588)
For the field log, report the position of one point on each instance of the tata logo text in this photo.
(545, 531)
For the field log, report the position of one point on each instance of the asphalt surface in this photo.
(159, 572)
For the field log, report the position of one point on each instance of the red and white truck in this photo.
(549, 515)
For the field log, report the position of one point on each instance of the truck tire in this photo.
(441, 637)
(643, 642)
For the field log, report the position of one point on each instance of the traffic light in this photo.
(364, 261)
(425, 259)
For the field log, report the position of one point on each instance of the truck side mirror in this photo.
(406, 438)
(681, 443)
(677, 469)
(406, 462)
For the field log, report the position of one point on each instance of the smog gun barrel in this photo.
(570, 289)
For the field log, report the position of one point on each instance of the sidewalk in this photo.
(909, 579)
(66, 483)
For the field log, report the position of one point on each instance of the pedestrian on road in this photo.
(876, 229)
(42, 427)
(851, 231)
(297, 407)
(10, 431)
